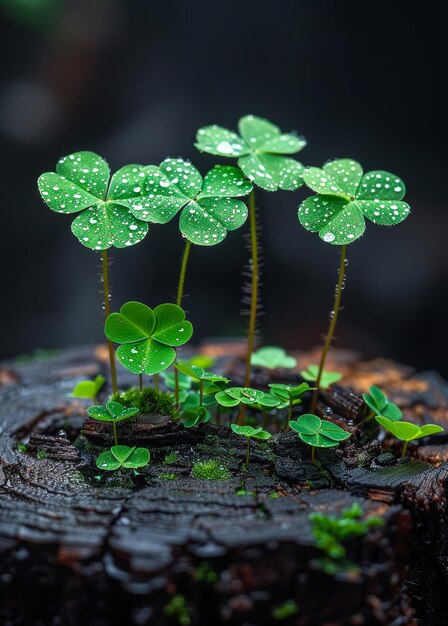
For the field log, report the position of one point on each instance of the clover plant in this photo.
(318, 433)
(345, 197)
(289, 394)
(379, 404)
(88, 389)
(113, 412)
(250, 433)
(234, 396)
(326, 378)
(272, 357)
(123, 457)
(261, 150)
(82, 184)
(407, 431)
(329, 532)
(199, 375)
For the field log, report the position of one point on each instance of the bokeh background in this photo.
(134, 79)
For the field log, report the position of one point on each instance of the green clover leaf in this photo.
(345, 197)
(123, 456)
(319, 433)
(81, 185)
(289, 392)
(248, 431)
(233, 396)
(272, 357)
(327, 378)
(260, 148)
(379, 404)
(88, 389)
(198, 373)
(407, 431)
(112, 412)
(147, 337)
(209, 207)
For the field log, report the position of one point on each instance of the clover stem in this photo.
(176, 387)
(201, 392)
(331, 329)
(156, 382)
(313, 455)
(253, 299)
(114, 428)
(106, 292)
(289, 414)
(265, 418)
(248, 453)
(405, 449)
(183, 270)
(140, 382)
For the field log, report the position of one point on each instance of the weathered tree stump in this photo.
(150, 550)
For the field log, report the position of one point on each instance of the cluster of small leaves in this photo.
(407, 431)
(112, 412)
(148, 337)
(327, 378)
(125, 457)
(329, 532)
(233, 396)
(260, 149)
(317, 432)
(287, 394)
(272, 357)
(210, 470)
(345, 197)
(149, 400)
(379, 404)
(88, 389)
(250, 432)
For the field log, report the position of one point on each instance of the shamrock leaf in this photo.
(290, 392)
(209, 207)
(260, 148)
(248, 431)
(81, 185)
(407, 431)
(319, 433)
(147, 336)
(195, 416)
(112, 412)
(233, 396)
(378, 402)
(199, 374)
(327, 378)
(88, 389)
(123, 456)
(272, 357)
(345, 197)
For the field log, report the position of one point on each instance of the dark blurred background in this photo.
(134, 79)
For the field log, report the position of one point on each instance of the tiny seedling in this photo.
(318, 433)
(272, 357)
(88, 389)
(250, 433)
(326, 379)
(123, 457)
(199, 375)
(379, 404)
(113, 412)
(345, 197)
(233, 396)
(148, 337)
(210, 470)
(407, 431)
(329, 532)
(289, 394)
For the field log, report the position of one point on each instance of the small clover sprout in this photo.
(123, 457)
(249, 433)
(260, 149)
(148, 337)
(210, 206)
(329, 532)
(327, 378)
(318, 433)
(379, 404)
(272, 358)
(113, 412)
(345, 197)
(289, 395)
(199, 375)
(81, 185)
(407, 431)
(233, 396)
(196, 409)
(88, 389)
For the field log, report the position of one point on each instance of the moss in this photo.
(170, 458)
(168, 476)
(210, 470)
(148, 400)
(285, 610)
(178, 609)
(41, 454)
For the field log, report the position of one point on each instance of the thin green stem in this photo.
(331, 329)
(313, 455)
(288, 415)
(106, 292)
(176, 387)
(253, 298)
(248, 453)
(156, 382)
(114, 428)
(183, 270)
(405, 449)
(201, 392)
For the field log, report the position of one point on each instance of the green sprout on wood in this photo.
(379, 404)
(113, 412)
(260, 149)
(318, 433)
(289, 395)
(249, 433)
(329, 532)
(210, 470)
(123, 457)
(272, 357)
(199, 375)
(88, 389)
(407, 431)
(233, 396)
(345, 196)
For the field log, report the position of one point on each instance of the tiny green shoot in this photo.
(250, 433)
(88, 389)
(327, 378)
(123, 457)
(291, 394)
(407, 431)
(318, 433)
(379, 404)
(113, 412)
(272, 357)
